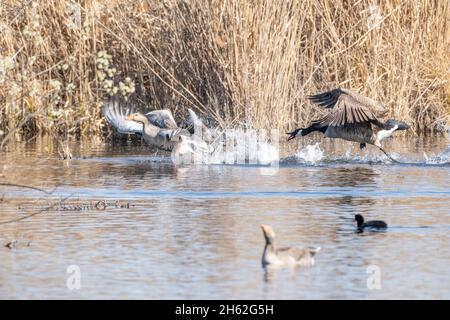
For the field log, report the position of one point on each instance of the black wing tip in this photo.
(324, 94)
(318, 94)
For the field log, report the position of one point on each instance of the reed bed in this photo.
(248, 63)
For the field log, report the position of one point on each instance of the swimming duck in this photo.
(374, 224)
(285, 256)
(352, 117)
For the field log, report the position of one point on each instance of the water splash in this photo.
(267, 153)
(314, 155)
(442, 158)
(368, 157)
(263, 154)
(311, 154)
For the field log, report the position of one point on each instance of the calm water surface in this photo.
(192, 232)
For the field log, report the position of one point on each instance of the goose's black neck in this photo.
(312, 128)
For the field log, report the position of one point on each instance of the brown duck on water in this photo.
(352, 117)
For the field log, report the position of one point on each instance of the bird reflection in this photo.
(349, 177)
(271, 272)
(350, 202)
(135, 170)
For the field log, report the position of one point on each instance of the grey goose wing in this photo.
(116, 116)
(162, 119)
(347, 107)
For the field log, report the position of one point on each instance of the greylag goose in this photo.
(194, 124)
(352, 117)
(285, 256)
(158, 128)
(374, 224)
(162, 119)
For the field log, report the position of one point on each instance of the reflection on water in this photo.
(342, 177)
(193, 231)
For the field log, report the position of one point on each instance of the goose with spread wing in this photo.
(158, 128)
(352, 117)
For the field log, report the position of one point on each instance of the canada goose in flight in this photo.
(285, 256)
(374, 224)
(352, 117)
(158, 128)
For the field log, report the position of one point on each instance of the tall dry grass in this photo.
(237, 62)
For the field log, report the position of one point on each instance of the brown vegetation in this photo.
(236, 62)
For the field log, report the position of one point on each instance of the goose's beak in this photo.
(403, 126)
(130, 117)
(293, 134)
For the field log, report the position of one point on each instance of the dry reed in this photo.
(236, 62)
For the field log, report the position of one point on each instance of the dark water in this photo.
(192, 232)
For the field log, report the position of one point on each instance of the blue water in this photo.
(193, 232)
